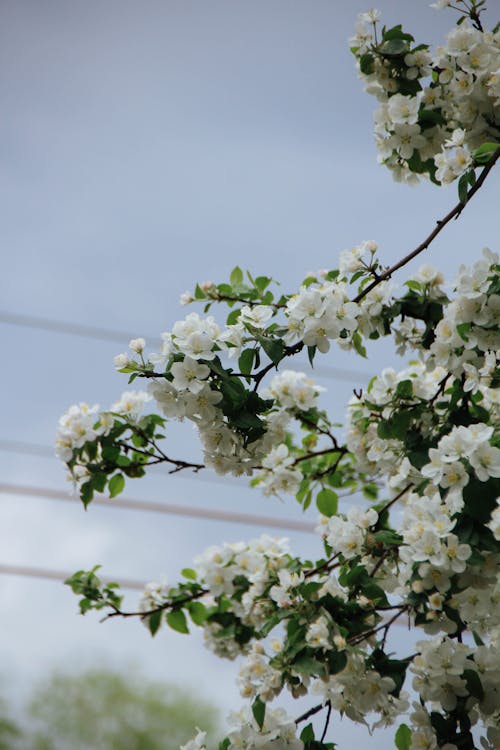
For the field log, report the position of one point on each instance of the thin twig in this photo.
(327, 720)
(440, 225)
(323, 566)
(318, 429)
(394, 499)
(324, 452)
(309, 713)
(117, 612)
(384, 626)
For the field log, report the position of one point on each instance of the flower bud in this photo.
(137, 345)
(121, 361)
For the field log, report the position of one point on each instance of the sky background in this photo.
(144, 147)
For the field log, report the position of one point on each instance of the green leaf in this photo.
(463, 329)
(99, 481)
(110, 453)
(404, 389)
(236, 276)
(86, 493)
(307, 734)
(262, 282)
(483, 154)
(259, 711)
(245, 361)
(154, 622)
(414, 285)
(198, 612)
(232, 318)
(307, 500)
(370, 491)
(394, 47)
(337, 661)
(358, 344)
(306, 664)
(402, 737)
(327, 502)
(274, 348)
(199, 293)
(463, 188)
(397, 33)
(367, 64)
(116, 485)
(189, 573)
(473, 684)
(177, 621)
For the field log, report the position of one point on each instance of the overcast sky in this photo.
(145, 146)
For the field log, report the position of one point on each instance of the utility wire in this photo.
(122, 337)
(60, 576)
(168, 508)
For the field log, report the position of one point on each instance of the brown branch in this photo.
(311, 712)
(289, 351)
(216, 297)
(324, 452)
(323, 566)
(394, 499)
(327, 720)
(384, 626)
(318, 429)
(117, 612)
(162, 458)
(440, 225)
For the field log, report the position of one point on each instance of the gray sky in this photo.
(146, 146)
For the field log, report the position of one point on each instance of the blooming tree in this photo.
(421, 444)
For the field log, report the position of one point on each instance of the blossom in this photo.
(137, 345)
(189, 375)
(197, 743)
(121, 361)
(131, 404)
(294, 390)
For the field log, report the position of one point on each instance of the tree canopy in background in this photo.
(102, 709)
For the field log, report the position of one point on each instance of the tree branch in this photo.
(440, 225)
(309, 713)
(117, 612)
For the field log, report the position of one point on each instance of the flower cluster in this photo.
(277, 731)
(436, 110)
(358, 691)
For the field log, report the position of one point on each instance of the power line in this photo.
(122, 337)
(60, 576)
(168, 508)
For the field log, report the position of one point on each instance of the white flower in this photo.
(256, 316)
(294, 390)
(403, 110)
(137, 345)
(197, 743)
(427, 274)
(318, 634)
(121, 361)
(494, 522)
(131, 404)
(486, 461)
(370, 16)
(189, 375)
